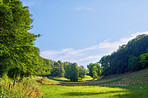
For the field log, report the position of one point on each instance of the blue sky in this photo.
(83, 31)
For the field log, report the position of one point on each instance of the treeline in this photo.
(130, 57)
(18, 56)
(68, 70)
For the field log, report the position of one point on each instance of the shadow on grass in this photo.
(90, 93)
(131, 91)
(135, 91)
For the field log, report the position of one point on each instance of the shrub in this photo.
(24, 89)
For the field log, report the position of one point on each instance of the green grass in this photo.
(136, 91)
(129, 85)
(111, 81)
(80, 91)
(47, 81)
(87, 78)
(131, 91)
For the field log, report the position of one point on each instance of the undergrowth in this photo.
(28, 88)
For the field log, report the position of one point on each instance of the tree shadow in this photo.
(135, 91)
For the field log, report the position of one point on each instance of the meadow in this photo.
(81, 91)
(132, 91)
(130, 85)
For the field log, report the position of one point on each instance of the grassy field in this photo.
(132, 91)
(81, 91)
(129, 85)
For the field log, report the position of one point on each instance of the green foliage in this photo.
(45, 67)
(133, 63)
(144, 60)
(127, 57)
(67, 68)
(18, 56)
(94, 70)
(58, 69)
(71, 71)
(82, 72)
(74, 72)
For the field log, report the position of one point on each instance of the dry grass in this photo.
(25, 89)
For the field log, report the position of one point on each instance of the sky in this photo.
(82, 31)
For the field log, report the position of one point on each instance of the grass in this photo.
(136, 91)
(81, 91)
(28, 88)
(131, 91)
(87, 78)
(129, 85)
(47, 81)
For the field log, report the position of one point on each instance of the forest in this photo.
(130, 57)
(20, 59)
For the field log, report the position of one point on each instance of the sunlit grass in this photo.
(61, 79)
(81, 91)
(87, 78)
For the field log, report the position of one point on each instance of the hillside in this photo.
(126, 79)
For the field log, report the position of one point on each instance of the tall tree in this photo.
(74, 72)
(92, 70)
(58, 70)
(15, 40)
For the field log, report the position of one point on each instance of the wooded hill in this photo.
(130, 57)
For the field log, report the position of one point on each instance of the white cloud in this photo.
(88, 58)
(114, 45)
(87, 55)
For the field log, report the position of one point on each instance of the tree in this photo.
(144, 60)
(74, 72)
(133, 63)
(58, 69)
(82, 72)
(126, 58)
(92, 70)
(45, 67)
(67, 67)
(98, 70)
(17, 53)
(71, 71)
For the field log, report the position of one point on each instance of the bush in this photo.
(24, 89)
